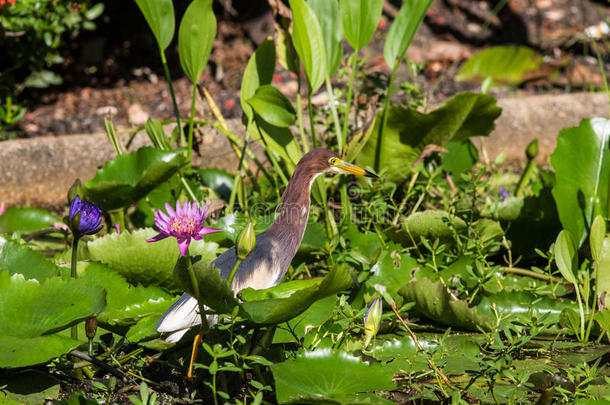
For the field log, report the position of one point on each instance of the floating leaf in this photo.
(504, 65)
(18, 258)
(272, 106)
(582, 169)
(360, 18)
(129, 177)
(27, 219)
(408, 132)
(328, 374)
(196, 37)
(403, 29)
(309, 43)
(143, 262)
(159, 15)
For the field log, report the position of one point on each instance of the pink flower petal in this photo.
(204, 212)
(183, 245)
(197, 237)
(170, 210)
(157, 238)
(205, 231)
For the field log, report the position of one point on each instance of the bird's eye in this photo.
(332, 161)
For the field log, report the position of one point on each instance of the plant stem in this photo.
(171, 91)
(581, 313)
(234, 271)
(304, 143)
(311, 118)
(386, 106)
(333, 109)
(188, 188)
(348, 102)
(74, 329)
(189, 152)
(204, 319)
(529, 273)
(274, 162)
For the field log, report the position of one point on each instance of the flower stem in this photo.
(171, 91)
(189, 266)
(311, 118)
(333, 109)
(348, 102)
(234, 271)
(74, 329)
(304, 144)
(189, 152)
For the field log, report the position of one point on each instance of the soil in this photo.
(116, 71)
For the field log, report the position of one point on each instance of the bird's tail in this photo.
(180, 317)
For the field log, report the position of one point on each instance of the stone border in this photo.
(39, 171)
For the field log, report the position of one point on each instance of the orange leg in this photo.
(196, 343)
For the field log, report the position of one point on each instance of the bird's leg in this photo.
(194, 353)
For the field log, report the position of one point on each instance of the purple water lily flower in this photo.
(85, 218)
(184, 223)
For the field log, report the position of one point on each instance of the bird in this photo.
(266, 265)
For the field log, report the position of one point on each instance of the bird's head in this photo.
(321, 160)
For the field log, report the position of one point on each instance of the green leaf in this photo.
(29, 387)
(403, 29)
(318, 313)
(565, 255)
(159, 15)
(145, 328)
(360, 18)
(20, 259)
(328, 374)
(95, 11)
(392, 271)
(148, 263)
(218, 180)
(433, 300)
(129, 177)
(27, 219)
(30, 312)
(504, 65)
(327, 14)
(604, 269)
(259, 71)
(309, 43)
(460, 157)
(596, 237)
(196, 37)
(408, 132)
(582, 168)
(272, 106)
(277, 140)
(156, 134)
(126, 304)
(429, 224)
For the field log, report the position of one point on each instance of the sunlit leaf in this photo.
(196, 37)
(403, 29)
(159, 15)
(327, 13)
(26, 219)
(18, 258)
(360, 18)
(259, 71)
(565, 255)
(272, 106)
(582, 168)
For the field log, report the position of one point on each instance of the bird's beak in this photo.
(343, 167)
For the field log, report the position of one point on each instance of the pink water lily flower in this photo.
(184, 223)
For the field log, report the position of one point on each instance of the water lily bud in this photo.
(372, 320)
(91, 327)
(532, 150)
(246, 241)
(84, 218)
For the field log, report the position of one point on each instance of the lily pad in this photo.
(129, 177)
(18, 258)
(27, 219)
(430, 224)
(144, 262)
(29, 387)
(329, 375)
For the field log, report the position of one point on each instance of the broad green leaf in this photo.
(126, 304)
(232, 225)
(282, 290)
(565, 255)
(391, 271)
(272, 106)
(429, 224)
(582, 169)
(143, 329)
(360, 18)
(218, 180)
(19, 351)
(460, 157)
(318, 313)
(596, 237)
(433, 300)
(148, 263)
(27, 219)
(327, 13)
(328, 374)
(29, 387)
(18, 258)
(129, 177)
(309, 43)
(314, 238)
(278, 310)
(196, 37)
(259, 71)
(159, 15)
(504, 65)
(408, 132)
(403, 29)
